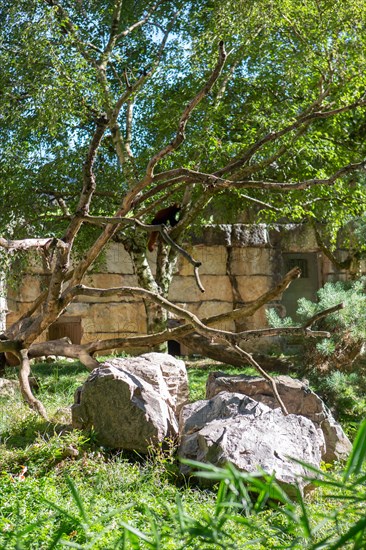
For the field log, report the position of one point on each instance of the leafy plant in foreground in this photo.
(243, 500)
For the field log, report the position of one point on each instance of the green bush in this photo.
(335, 366)
(347, 327)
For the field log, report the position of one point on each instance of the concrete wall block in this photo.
(116, 318)
(107, 280)
(210, 235)
(295, 238)
(209, 309)
(245, 235)
(117, 260)
(213, 260)
(77, 309)
(30, 289)
(251, 287)
(93, 336)
(251, 261)
(103, 280)
(217, 287)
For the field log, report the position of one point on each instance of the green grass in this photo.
(77, 494)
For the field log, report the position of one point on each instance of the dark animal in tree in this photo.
(162, 217)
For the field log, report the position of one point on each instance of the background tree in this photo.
(112, 110)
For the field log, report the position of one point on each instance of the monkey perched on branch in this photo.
(163, 216)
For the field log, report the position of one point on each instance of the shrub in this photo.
(347, 326)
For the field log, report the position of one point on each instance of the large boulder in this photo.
(164, 372)
(235, 428)
(128, 402)
(298, 399)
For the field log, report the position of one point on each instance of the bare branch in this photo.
(249, 358)
(24, 372)
(133, 88)
(193, 320)
(304, 118)
(113, 35)
(138, 23)
(344, 264)
(215, 182)
(64, 348)
(322, 314)
(27, 244)
(81, 290)
(180, 135)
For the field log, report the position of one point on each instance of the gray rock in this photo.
(131, 402)
(164, 372)
(298, 399)
(8, 387)
(249, 235)
(235, 428)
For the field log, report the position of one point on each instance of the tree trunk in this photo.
(156, 315)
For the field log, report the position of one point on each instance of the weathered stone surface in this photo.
(235, 428)
(213, 259)
(165, 373)
(76, 309)
(185, 289)
(116, 317)
(30, 289)
(117, 260)
(131, 402)
(239, 234)
(252, 287)
(250, 261)
(211, 235)
(337, 444)
(8, 387)
(209, 309)
(294, 237)
(125, 411)
(249, 235)
(298, 399)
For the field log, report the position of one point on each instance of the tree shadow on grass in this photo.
(30, 430)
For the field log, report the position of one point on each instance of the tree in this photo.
(119, 108)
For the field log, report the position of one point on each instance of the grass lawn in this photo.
(59, 489)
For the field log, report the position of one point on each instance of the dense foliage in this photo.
(347, 326)
(293, 89)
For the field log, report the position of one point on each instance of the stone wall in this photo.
(239, 263)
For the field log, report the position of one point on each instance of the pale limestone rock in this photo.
(249, 261)
(124, 410)
(235, 428)
(131, 402)
(117, 260)
(30, 289)
(217, 287)
(251, 287)
(165, 373)
(116, 317)
(298, 399)
(213, 260)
